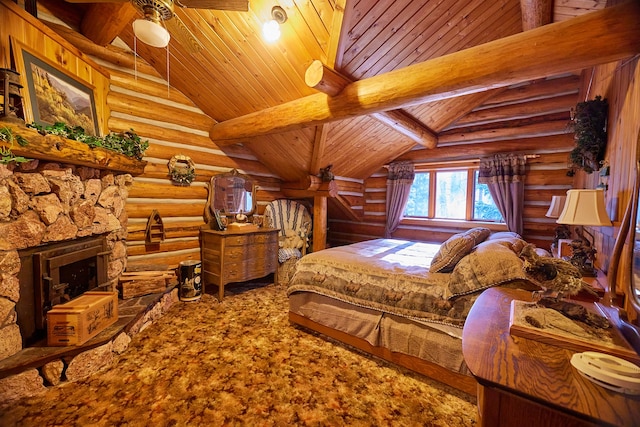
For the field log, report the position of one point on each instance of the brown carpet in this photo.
(240, 362)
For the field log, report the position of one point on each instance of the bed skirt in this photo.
(429, 351)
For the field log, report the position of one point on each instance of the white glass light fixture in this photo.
(151, 33)
(150, 29)
(271, 29)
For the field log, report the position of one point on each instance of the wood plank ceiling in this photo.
(229, 71)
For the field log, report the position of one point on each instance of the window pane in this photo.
(418, 204)
(451, 194)
(484, 208)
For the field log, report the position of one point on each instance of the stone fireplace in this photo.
(59, 221)
(63, 228)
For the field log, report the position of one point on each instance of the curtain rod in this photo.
(451, 162)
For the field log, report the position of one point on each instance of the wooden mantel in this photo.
(54, 148)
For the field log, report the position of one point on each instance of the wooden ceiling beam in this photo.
(108, 53)
(329, 81)
(562, 143)
(309, 186)
(319, 145)
(591, 39)
(102, 22)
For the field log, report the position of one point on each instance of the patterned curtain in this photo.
(504, 174)
(399, 182)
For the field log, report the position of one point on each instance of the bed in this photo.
(405, 301)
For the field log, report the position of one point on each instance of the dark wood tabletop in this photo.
(538, 372)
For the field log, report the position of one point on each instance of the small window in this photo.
(452, 194)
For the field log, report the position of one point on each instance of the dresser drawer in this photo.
(235, 254)
(265, 238)
(239, 271)
(238, 240)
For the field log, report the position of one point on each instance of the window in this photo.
(452, 194)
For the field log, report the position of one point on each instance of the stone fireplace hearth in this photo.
(45, 205)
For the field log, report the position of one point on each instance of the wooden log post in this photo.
(536, 13)
(319, 223)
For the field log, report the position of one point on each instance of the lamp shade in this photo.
(585, 207)
(151, 33)
(557, 203)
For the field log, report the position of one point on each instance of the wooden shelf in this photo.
(54, 148)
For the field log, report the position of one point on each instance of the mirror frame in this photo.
(633, 255)
(209, 214)
(626, 237)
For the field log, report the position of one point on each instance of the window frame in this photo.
(471, 168)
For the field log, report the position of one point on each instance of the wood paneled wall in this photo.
(620, 83)
(19, 30)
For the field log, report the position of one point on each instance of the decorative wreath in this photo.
(182, 169)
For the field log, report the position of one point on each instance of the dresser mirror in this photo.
(230, 194)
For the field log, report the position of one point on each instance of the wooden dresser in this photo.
(237, 256)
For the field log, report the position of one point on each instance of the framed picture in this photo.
(55, 96)
(218, 224)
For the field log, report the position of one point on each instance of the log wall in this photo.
(173, 126)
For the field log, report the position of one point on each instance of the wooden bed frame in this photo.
(462, 382)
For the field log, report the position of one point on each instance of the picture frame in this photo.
(218, 224)
(53, 95)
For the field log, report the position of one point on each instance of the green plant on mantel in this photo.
(590, 127)
(127, 143)
(6, 153)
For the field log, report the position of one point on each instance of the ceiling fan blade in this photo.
(236, 5)
(183, 35)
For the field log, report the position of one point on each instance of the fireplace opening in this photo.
(54, 274)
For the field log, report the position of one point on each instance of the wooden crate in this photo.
(77, 321)
(135, 284)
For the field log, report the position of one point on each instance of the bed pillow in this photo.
(479, 234)
(543, 252)
(450, 252)
(504, 234)
(491, 263)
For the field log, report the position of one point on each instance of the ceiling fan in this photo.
(150, 29)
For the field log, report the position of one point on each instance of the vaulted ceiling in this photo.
(412, 71)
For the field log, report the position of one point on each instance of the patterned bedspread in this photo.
(385, 274)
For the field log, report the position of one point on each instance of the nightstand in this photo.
(527, 382)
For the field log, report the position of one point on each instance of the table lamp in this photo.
(562, 231)
(584, 207)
